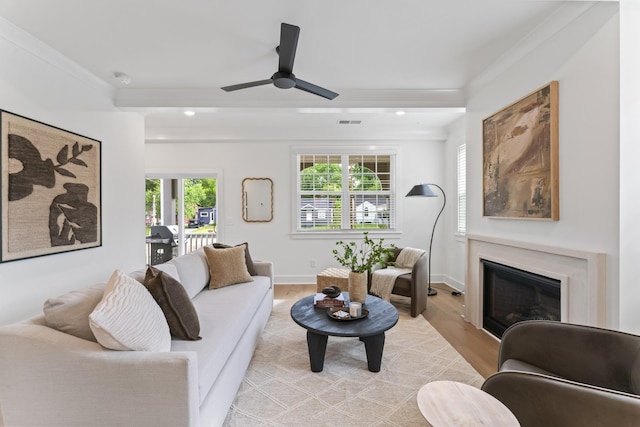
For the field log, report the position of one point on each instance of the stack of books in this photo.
(322, 301)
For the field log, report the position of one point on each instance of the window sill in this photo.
(345, 234)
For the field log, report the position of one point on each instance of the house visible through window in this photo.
(345, 191)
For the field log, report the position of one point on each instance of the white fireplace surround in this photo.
(582, 276)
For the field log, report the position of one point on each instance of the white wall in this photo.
(39, 84)
(418, 161)
(584, 58)
(629, 170)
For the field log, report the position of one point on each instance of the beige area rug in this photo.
(279, 388)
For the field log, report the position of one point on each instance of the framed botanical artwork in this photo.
(520, 158)
(50, 189)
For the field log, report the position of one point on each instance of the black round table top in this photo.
(382, 316)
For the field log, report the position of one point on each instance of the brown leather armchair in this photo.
(561, 374)
(413, 285)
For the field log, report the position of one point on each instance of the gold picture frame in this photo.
(50, 189)
(257, 199)
(520, 158)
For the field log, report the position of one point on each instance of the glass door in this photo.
(181, 216)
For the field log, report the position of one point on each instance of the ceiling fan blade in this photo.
(288, 44)
(316, 90)
(246, 85)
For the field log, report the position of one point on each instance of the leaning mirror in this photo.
(257, 199)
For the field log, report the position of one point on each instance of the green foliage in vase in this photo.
(363, 257)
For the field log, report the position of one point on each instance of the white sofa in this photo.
(51, 378)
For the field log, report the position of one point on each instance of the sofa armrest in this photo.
(264, 268)
(539, 400)
(51, 378)
(572, 351)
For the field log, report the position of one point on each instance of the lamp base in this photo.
(431, 292)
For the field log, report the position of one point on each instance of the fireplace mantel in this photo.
(582, 274)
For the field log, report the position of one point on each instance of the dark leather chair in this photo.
(413, 285)
(561, 374)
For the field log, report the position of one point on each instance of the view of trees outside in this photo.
(328, 177)
(198, 192)
(322, 179)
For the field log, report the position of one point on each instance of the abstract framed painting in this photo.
(50, 187)
(520, 158)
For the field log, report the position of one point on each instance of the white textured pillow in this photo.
(128, 318)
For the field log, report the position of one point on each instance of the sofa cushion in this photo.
(174, 302)
(69, 312)
(193, 271)
(227, 266)
(250, 267)
(128, 318)
(224, 315)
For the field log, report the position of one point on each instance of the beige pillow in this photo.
(128, 318)
(69, 312)
(227, 266)
(250, 266)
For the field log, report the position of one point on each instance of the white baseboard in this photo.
(449, 281)
(311, 280)
(295, 280)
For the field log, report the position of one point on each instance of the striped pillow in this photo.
(128, 318)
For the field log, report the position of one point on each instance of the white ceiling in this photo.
(420, 56)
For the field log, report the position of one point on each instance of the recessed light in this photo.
(189, 113)
(399, 113)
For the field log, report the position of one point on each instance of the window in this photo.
(345, 192)
(462, 189)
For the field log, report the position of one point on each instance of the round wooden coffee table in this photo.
(382, 316)
(454, 404)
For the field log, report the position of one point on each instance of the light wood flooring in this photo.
(444, 312)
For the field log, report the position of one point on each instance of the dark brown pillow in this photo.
(250, 267)
(175, 304)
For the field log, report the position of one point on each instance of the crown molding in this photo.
(27, 43)
(589, 14)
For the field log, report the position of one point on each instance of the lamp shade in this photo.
(421, 190)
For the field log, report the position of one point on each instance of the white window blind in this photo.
(345, 192)
(462, 188)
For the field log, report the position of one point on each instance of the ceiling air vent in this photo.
(349, 122)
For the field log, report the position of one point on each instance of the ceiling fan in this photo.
(284, 77)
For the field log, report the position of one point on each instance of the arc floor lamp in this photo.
(424, 190)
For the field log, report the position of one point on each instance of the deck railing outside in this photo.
(192, 242)
(195, 241)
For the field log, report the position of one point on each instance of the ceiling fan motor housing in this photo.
(283, 80)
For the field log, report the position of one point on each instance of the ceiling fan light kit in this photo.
(284, 77)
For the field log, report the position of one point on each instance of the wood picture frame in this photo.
(50, 189)
(520, 158)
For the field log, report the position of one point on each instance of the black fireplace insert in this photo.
(512, 295)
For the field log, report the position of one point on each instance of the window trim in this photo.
(355, 150)
(461, 189)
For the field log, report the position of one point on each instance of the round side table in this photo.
(454, 404)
